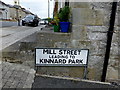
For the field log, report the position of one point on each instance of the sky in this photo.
(38, 7)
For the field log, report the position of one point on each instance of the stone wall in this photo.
(113, 67)
(90, 23)
(57, 40)
(89, 30)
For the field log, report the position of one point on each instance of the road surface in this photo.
(58, 82)
(10, 35)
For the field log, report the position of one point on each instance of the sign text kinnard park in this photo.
(63, 57)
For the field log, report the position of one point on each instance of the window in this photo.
(67, 3)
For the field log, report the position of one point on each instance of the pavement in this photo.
(8, 23)
(16, 75)
(11, 35)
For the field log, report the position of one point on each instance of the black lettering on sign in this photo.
(70, 52)
(64, 61)
(64, 51)
(45, 51)
(46, 61)
(48, 51)
(71, 61)
(77, 61)
(72, 57)
(60, 60)
(75, 52)
(53, 61)
(56, 61)
(58, 56)
(41, 61)
(79, 51)
(60, 52)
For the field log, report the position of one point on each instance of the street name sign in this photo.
(61, 57)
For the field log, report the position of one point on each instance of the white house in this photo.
(4, 11)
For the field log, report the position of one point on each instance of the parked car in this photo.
(30, 20)
(43, 22)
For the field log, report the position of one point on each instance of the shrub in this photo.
(64, 14)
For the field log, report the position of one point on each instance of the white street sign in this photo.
(61, 57)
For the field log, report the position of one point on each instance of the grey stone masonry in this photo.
(16, 76)
(90, 23)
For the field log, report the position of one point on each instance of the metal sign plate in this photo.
(61, 57)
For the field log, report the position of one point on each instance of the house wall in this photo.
(10, 12)
(22, 14)
(4, 11)
(13, 13)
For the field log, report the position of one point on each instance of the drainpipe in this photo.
(109, 40)
(6, 15)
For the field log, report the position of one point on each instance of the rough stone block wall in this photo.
(46, 39)
(90, 23)
(114, 62)
(119, 40)
(57, 40)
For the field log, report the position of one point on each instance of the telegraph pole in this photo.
(17, 4)
(48, 8)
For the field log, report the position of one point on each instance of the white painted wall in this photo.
(4, 11)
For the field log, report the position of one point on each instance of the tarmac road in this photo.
(49, 82)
